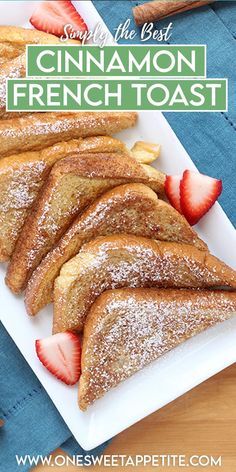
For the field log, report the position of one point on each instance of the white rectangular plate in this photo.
(178, 371)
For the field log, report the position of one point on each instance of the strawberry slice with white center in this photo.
(198, 193)
(52, 16)
(61, 355)
(172, 189)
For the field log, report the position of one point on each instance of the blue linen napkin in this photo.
(32, 424)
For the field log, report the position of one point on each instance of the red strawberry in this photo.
(52, 16)
(198, 193)
(172, 184)
(61, 354)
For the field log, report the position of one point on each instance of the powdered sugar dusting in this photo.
(125, 262)
(134, 329)
(22, 184)
(19, 188)
(45, 129)
(14, 72)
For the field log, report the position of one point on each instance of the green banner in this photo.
(116, 61)
(164, 95)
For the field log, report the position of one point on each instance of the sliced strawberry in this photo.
(61, 354)
(172, 190)
(198, 193)
(52, 16)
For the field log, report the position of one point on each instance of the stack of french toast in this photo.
(85, 224)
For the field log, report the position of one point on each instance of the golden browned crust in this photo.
(130, 261)
(41, 130)
(73, 184)
(127, 329)
(22, 176)
(22, 36)
(13, 68)
(13, 40)
(131, 209)
(9, 51)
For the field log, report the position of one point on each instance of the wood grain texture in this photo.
(158, 10)
(203, 421)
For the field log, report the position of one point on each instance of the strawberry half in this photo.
(198, 193)
(52, 16)
(172, 189)
(61, 354)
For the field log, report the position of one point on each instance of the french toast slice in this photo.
(128, 329)
(72, 185)
(9, 51)
(132, 209)
(19, 37)
(14, 69)
(40, 130)
(22, 176)
(119, 261)
(13, 40)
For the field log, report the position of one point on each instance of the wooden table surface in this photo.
(203, 421)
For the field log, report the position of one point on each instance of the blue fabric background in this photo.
(32, 424)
